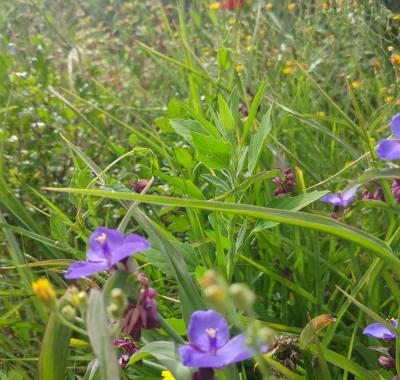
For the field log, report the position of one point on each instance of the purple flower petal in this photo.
(332, 198)
(101, 241)
(194, 358)
(380, 331)
(236, 350)
(131, 244)
(208, 330)
(388, 149)
(85, 268)
(348, 195)
(395, 125)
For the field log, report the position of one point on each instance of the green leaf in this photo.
(344, 363)
(290, 203)
(225, 117)
(185, 128)
(166, 354)
(54, 351)
(372, 175)
(212, 152)
(100, 337)
(296, 218)
(257, 141)
(253, 110)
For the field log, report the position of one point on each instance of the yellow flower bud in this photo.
(44, 291)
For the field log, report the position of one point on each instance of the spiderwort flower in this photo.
(389, 149)
(380, 331)
(209, 345)
(341, 198)
(107, 248)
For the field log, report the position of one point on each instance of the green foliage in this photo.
(208, 106)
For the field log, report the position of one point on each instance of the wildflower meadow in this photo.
(199, 189)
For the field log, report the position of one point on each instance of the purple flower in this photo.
(380, 331)
(341, 198)
(210, 346)
(106, 248)
(389, 149)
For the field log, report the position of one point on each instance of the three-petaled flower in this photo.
(106, 248)
(210, 346)
(389, 149)
(380, 331)
(341, 198)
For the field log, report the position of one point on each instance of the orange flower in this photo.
(376, 64)
(291, 6)
(395, 58)
(232, 5)
(269, 6)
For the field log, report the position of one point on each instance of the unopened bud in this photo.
(242, 295)
(68, 312)
(300, 179)
(118, 297)
(265, 335)
(44, 291)
(114, 311)
(386, 362)
(209, 278)
(72, 295)
(214, 294)
(143, 279)
(83, 298)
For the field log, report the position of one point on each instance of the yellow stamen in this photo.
(102, 238)
(211, 333)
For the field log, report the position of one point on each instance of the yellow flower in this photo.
(398, 102)
(396, 17)
(291, 6)
(288, 70)
(395, 58)
(248, 48)
(382, 90)
(101, 116)
(44, 291)
(356, 84)
(207, 52)
(166, 375)
(389, 99)
(231, 21)
(325, 6)
(321, 114)
(239, 68)
(215, 6)
(269, 6)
